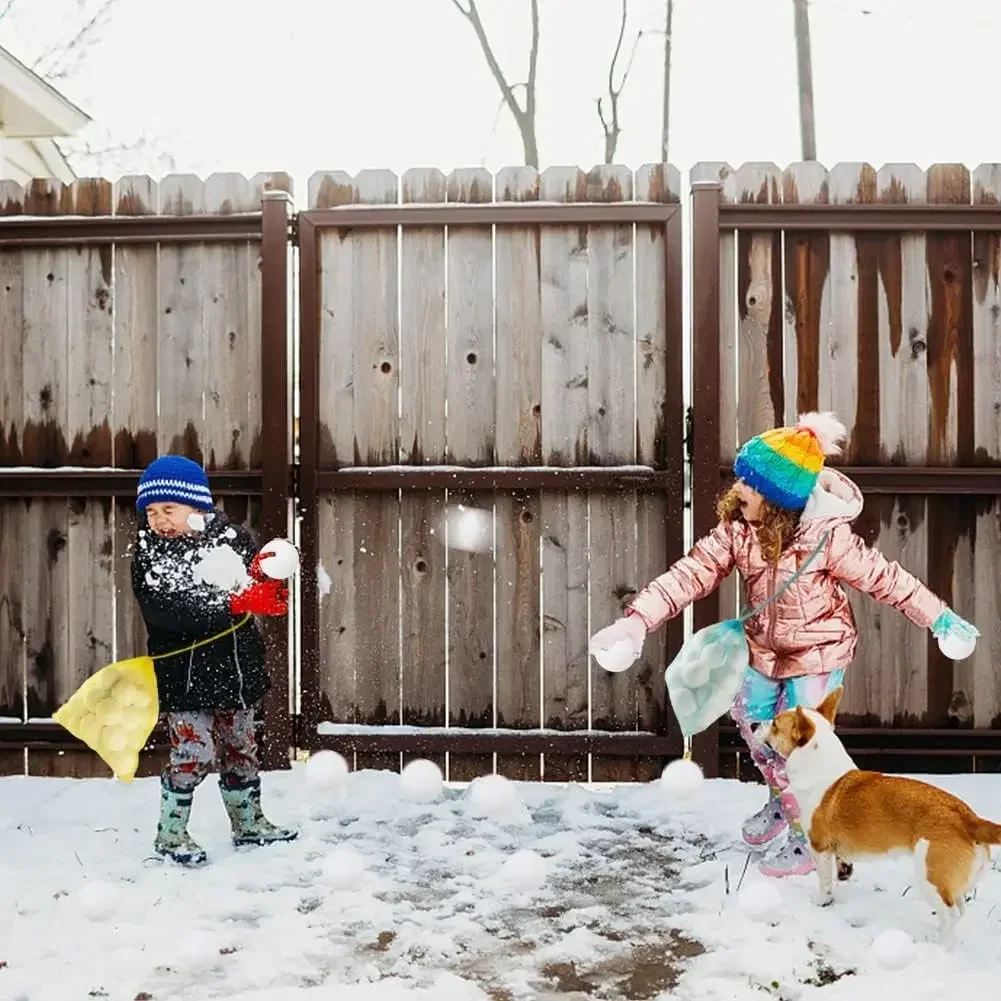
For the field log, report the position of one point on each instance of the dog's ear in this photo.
(803, 728)
(829, 707)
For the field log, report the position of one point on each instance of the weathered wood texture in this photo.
(516, 346)
(109, 356)
(898, 333)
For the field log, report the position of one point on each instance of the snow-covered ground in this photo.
(634, 903)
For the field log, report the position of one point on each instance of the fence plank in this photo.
(422, 420)
(232, 366)
(11, 337)
(760, 391)
(518, 442)
(472, 662)
(951, 521)
(611, 439)
(136, 324)
(181, 351)
(130, 630)
(12, 648)
(659, 516)
(563, 267)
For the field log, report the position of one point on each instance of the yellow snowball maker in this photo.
(113, 712)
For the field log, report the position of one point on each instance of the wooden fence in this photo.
(888, 313)
(512, 342)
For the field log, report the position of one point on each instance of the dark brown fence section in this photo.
(875, 294)
(470, 340)
(135, 319)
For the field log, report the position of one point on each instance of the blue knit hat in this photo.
(174, 479)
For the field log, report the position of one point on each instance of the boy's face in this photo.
(169, 519)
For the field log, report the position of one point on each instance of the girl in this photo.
(770, 521)
(208, 691)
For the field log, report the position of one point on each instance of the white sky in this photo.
(303, 85)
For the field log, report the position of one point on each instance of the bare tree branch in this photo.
(62, 57)
(610, 126)
(524, 117)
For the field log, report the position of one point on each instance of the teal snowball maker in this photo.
(705, 677)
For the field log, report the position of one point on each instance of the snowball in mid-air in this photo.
(469, 528)
(495, 797)
(97, 901)
(326, 770)
(198, 954)
(344, 868)
(196, 521)
(760, 901)
(421, 781)
(894, 949)
(618, 657)
(280, 559)
(681, 777)
(524, 871)
(956, 647)
(221, 567)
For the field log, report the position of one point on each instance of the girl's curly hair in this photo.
(775, 529)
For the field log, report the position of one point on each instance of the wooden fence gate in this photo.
(471, 342)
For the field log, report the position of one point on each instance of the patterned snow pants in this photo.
(202, 738)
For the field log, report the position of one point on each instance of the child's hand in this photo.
(269, 597)
(956, 637)
(628, 631)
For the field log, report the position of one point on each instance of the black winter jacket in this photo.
(179, 609)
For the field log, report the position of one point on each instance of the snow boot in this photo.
(765, 825)
(250, 826)
(791, 859)
(172, 838)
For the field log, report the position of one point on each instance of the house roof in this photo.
(31, 108)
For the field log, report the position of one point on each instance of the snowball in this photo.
(469, 528)
(114, 738)
(684, 702)
(524, 871)
(894, 949)
(696, 672)
(280, 559)
(326, 770)
(619, 656)
(198, 954)
(221, 567)
(344, 868)
(196, 521)
(97, 901)
(957, 648)
(681, 777)
(760, 901)
(494, 797)
(422, 781)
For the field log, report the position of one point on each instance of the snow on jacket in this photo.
(181, 603)
(810, 629)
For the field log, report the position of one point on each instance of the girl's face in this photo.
(750, 502)
(169, 519)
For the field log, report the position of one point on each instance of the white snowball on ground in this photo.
(344, 868)
(618, 657)
(681, 777)
(97, 901)
(198, 954)
(280, 559)
(956, 648)
(196, 521)
(894, 949)
(470, 529)
(494, 797)
(524, 872)
(326, 771)
(760, 901)
(421, 781)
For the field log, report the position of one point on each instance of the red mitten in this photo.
(269, 597)
(255, 570)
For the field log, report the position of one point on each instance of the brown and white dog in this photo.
(851, 814)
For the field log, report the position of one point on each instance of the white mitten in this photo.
(617, 646)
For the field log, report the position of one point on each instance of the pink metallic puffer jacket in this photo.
(810, 629)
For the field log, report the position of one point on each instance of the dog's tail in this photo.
(985, 832)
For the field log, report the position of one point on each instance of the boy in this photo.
(208, 693)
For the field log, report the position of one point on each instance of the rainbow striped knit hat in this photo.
(783, 464)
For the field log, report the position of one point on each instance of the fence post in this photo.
(276, 406)
(705, 408)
